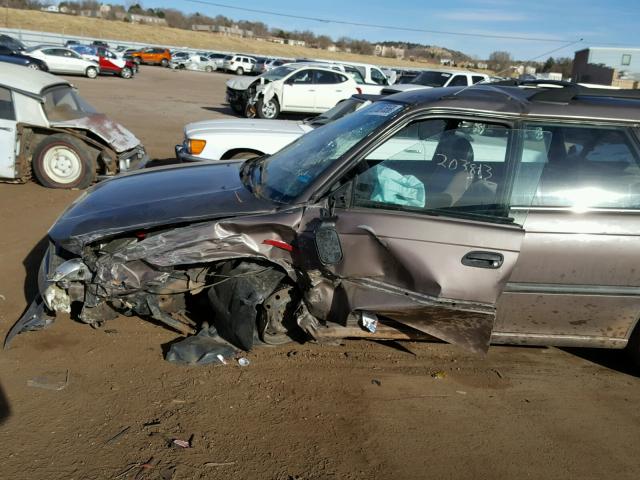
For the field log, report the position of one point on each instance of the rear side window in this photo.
(477, 79)
(7, 112)
(587, 167)
(458, 81)
(321, 77)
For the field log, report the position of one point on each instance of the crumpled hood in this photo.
(118, 137)
(241, 83)
(245, 126)
(156, 198)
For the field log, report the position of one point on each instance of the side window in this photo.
(586, 167)
(303, 77)
(323, 78)
(355, 74)
(441, 165)
(458, 81)
(52, 51)
(378, 77)
(7, 112)
(477, 79)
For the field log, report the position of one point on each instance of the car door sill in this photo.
(534, 339)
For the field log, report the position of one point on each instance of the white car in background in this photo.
(238, 64)
(247, 138)
(49, 131)
(64, 60)
(193, 62)
(290, 88)
(362, 74)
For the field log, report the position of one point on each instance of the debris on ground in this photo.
(183, 443)
(243, 362)
(376, 382)
(369, 322)
(52, 381)
(117, 435)
(439, 375)
(204, 348)
(218, 464)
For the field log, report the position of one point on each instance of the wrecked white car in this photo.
(394, 222)
(47, 130)
(289, 88)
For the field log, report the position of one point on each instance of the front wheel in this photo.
(269, 109)
(126, 72)
(240, 71)
(33, 66)
(208, 69)
(92, 72)
(62, 161)
(164, 62)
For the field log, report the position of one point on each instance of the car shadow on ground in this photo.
(608, 358)
(5, 410)
(225, 110)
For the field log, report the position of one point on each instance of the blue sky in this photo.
(598, 22)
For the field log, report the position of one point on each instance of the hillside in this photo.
(156, 35)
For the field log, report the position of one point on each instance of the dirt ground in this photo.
(355, 410)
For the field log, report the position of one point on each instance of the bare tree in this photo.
(499, 61)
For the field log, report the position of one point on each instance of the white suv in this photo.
(239, 64)
(290, 88)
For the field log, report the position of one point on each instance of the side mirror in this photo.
(327, 243)
(288, 81)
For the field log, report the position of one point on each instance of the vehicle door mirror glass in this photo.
(327, 242)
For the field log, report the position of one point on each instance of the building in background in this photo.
(618, 67)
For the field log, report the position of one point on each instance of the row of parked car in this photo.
(315, 87)
(389, 216)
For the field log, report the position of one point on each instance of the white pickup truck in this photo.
(439, 78)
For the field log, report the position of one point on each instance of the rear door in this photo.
(428, 241)
(577, 281)
(7, 134)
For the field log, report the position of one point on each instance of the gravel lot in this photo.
(354, 410)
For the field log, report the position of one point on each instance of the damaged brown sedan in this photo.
(403, 220)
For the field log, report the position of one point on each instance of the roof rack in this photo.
(564, 92)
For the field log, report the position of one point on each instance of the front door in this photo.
(7, 134)
(427, 239)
